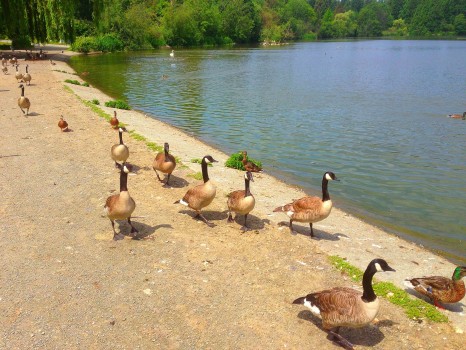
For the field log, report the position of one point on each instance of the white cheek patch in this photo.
(378, 267)
(183, 202)
(328, 177)
(314, 309)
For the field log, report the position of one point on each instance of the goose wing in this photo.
(306, 203)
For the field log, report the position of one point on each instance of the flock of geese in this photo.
(339, 306)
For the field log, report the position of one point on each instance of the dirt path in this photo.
(67, 284)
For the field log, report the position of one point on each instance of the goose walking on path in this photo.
(440, 289)
(27, 77)
(164, 162)
(346, 307)
(241, 201)
(310, 208)
(202, 195)
(18, 74)
(23, 102)
(120, 206)
(119, 151)
(62, 124)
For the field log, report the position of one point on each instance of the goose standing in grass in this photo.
(164, 162)
(441, 289)
(26, 76)
(248, 165)
(202, 195)
(18, 74)
(119, 151)
(120, 206)
(346, 307)
(62, 124)
(458, 116)
(241, 201)
(23, 102)
(310, 208)
(114, 122)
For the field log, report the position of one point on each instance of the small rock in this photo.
(112, 322)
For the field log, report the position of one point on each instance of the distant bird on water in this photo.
(457, 116)
(172, 54)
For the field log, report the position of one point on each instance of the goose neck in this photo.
(123, 181)
(325, 194)
(247, 191)
(22, 91)
(205, 174)
(121, 137)
(368, 292)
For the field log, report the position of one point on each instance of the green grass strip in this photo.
(415, 309)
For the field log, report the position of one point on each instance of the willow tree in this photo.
(37, 20)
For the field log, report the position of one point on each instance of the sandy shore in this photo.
(185, 285)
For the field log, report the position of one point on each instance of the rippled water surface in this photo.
(374, 112)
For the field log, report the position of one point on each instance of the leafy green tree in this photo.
(373, 19)
(460, 24)
(345, 24)
(395, 7)
(427, 18)
(399, 28)
(326, 30)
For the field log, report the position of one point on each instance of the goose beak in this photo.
(390, 269)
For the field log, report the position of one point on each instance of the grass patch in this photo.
(117, 104)
(235, 161)
(75, 82)
(199, 161)
(415, 309)
(197, 176)
(64, 71)
(95, 101)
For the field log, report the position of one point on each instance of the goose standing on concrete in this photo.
(18, 74)
(164, 162)
(120, 206)
(346, 307)
(241, 201)
(26, 76)
(119, 151)
(202, 195)
(439, 288)
(23, 102)
(310, 208)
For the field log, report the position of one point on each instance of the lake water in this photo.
(374, 112)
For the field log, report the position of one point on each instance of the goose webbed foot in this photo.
(245, 228)
(118, 236)
(339, 340)
(208, 223)
(158, 177)
(133, 231)
(230, 218)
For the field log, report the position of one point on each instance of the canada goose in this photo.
(5, 70)
(202, 195)
(27, 77)
(172, 54)
(241, 201)
(120, 151)
(18, 74)
(164, 162)
(114, 121)
(248, 165)
(310, 209)
(440, 289)
(23, 102)
(346, 307)
(120, 206)
(13, 61)
(62, 124)
(458, 116)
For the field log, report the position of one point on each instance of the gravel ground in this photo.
(67, 284)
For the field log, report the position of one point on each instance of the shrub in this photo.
(84, 44)
(109, 42)
(95, 101)
(235, 161)
(75, 82)
(117, 104)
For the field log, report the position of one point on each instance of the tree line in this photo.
(110, 25)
